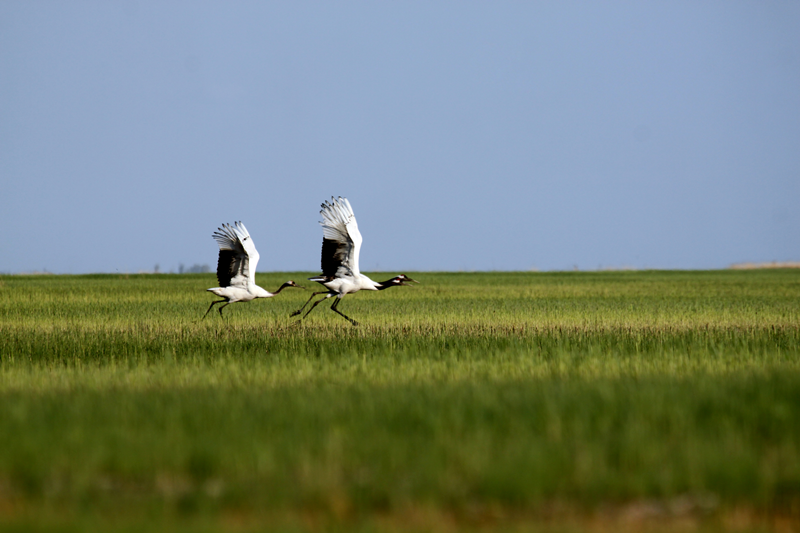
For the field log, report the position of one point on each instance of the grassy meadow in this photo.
(573, 401)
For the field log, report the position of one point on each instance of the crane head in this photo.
(289, 283)
(402, 279)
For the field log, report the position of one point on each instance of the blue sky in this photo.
(467, 135)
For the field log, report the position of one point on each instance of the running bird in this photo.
(236, 268)
(341, 243)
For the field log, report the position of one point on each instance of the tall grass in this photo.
(498, 393)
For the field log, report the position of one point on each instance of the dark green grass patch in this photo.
(499, 395)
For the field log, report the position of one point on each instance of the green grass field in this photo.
(474, 401)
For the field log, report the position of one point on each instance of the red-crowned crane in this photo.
(236, 268)
(341, 242)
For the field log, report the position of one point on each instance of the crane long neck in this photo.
(386, 284)
(282, 287)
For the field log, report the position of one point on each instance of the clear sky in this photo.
(467, 135)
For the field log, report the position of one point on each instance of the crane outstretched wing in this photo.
(341, 240)
(238, 256)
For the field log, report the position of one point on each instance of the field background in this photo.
(572, 401)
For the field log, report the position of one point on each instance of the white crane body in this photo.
(238, 294)
(236, 268)
(341, 244)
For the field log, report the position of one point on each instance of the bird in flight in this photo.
(236, 268)
(341, 243)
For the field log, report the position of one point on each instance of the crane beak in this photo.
(407, 279)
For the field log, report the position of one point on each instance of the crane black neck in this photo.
(388, 283)
(287, 284)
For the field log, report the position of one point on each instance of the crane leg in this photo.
(305, 304)
(333, 308)
(219, 308)
(316, 304)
